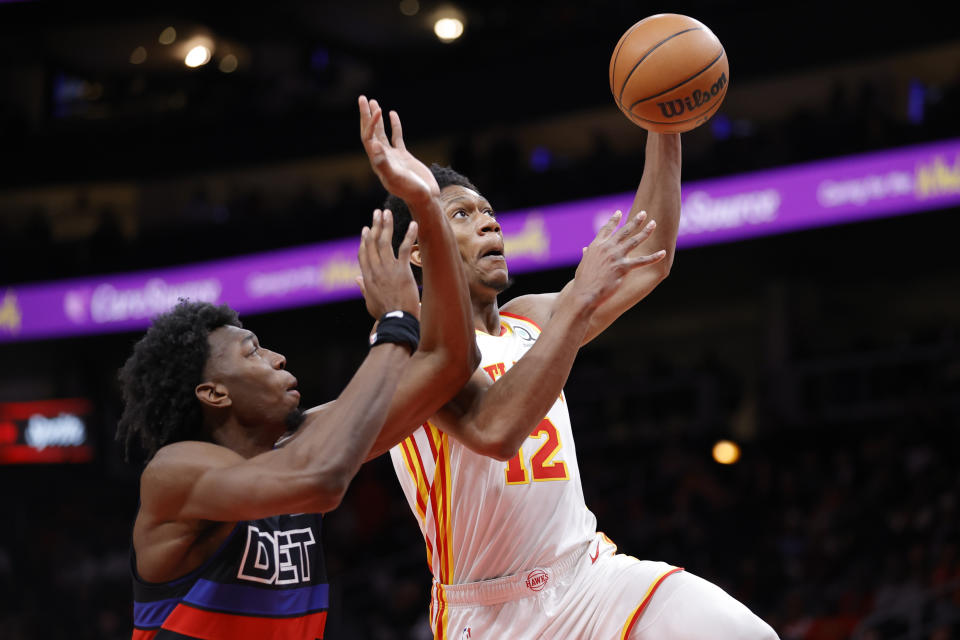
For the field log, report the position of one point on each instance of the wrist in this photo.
(576, 308)
(397, 327)
(581, 303)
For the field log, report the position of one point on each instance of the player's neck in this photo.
(486, 316)
(246, 441)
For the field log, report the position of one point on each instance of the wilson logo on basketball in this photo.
(537, 580)
(692, 102)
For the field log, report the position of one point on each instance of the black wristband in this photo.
(398, 327)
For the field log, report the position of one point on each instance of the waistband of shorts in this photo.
(519, 585)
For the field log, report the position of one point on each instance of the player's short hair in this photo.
(160, 376)
(401, 213)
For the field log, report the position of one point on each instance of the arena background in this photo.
(830, 355)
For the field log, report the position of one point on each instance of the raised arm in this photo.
(196, 481)
(448, 353)
(494, 418)
(659, 194)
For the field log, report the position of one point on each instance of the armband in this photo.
(398, 327)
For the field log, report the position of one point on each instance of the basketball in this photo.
(669, 73)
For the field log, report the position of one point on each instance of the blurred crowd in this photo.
(856, 118)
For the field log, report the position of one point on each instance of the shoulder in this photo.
(175, 467)
(536, 307)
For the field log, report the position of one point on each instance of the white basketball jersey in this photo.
(484, 518)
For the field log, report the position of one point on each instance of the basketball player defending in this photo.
(493, 479)
(226, 543)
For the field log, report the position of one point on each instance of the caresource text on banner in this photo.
(842, 190)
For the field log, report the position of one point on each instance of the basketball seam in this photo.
(702, 71)
(623, 87)
(616, 54)
(719, 96)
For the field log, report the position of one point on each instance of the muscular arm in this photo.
(494, 419)
(448, 353)
(202, 481)
(658, 194)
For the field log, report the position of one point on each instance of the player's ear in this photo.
(415, 255)
(213, 394)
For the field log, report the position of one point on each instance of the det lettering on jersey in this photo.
(276, 557)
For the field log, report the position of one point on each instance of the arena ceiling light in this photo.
(448, 23)
(197, 56)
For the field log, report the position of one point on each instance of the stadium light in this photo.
(726, 452)
(448, 29)
(197, 56)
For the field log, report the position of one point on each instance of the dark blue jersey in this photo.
(266, 581)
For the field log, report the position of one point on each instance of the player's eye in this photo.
(459, 213)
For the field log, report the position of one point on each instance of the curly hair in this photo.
(401, 213)
(159, 377)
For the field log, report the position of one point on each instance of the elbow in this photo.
(503, 451)
(474, 359)
(329, 488)
(663, 267)
(460, 369)
(499, 448)
(452, 372)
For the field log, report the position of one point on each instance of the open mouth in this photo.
(498, 253)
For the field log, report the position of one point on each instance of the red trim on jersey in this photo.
(433, 445)
(518, 317)
(143, 634)
(211, 624)
(438, 495)
(440, 632)
(419, 476)
(422, 472)
(646, 600)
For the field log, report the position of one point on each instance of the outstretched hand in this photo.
(398, 170)
(607, 260)
(387, 280)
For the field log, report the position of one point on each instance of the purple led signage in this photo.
(818, 194)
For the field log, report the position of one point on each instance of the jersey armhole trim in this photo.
(519, 317)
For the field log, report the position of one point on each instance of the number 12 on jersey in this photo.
(542, 467)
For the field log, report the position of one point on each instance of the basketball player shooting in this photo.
(226, 542)
(492, 478)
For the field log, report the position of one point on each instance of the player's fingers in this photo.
(364, 107)
(377, 124)
(362, 257)
(642, 261)
(640, 237)
(366, 118)
(374, 122)
(397, 130)
(385, 241)
(373, 239)
(406, 247)
(610, 225)
(359, 281)
(632, 225)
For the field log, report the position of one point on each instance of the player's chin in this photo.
(499, 282)
(294, 419)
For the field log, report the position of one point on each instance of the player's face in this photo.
(261, 390)
(478, 236)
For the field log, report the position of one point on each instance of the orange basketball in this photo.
(669, 73)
